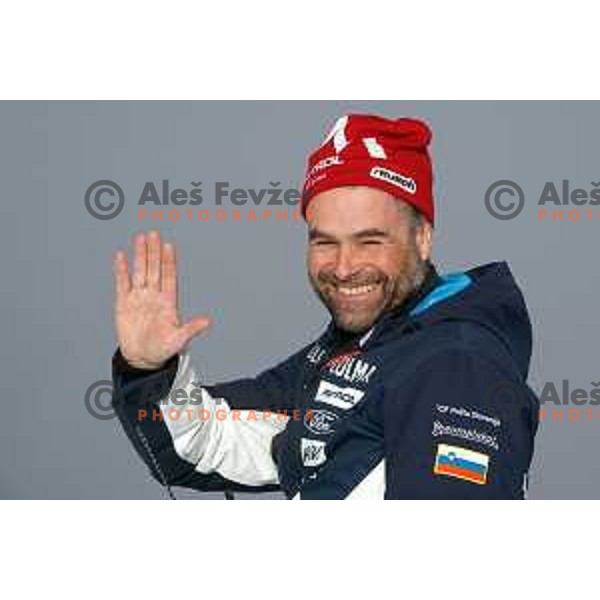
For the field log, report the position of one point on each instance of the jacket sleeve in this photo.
(462, 427)
(209, 438)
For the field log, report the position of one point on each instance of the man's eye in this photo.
(372, 242)
(322, 243)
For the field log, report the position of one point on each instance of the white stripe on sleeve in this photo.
(232, 443)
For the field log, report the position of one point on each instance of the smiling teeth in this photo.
(354, 291)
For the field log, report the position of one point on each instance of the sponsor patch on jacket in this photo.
(350, 368)
(461, 411)
(320, 421)
(341, 397)
(454, 461)
(312, 452)
(471, 435)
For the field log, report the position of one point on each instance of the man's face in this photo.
(365, 254)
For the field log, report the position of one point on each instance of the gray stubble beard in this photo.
(405, 286)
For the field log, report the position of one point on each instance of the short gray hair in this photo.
(414, 214)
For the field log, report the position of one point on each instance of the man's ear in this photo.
(424, 238)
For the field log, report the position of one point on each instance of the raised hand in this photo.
(147, 323)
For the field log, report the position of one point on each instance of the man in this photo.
(417, 389)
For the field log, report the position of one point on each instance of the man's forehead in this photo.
(359, 193)
(356, 208)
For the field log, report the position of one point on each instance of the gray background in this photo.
(56, 315)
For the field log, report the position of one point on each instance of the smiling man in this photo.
(367, 253)
(417, 388)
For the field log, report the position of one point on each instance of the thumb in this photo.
(192, 328)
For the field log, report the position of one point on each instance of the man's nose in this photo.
(345, 265)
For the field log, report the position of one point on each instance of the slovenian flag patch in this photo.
(461, 463)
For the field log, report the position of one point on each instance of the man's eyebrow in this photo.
(372, 232)
(317, 233)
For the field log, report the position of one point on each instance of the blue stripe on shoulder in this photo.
(450, 285)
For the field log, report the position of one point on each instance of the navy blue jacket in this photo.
(432, 402)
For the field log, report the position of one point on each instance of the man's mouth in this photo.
(354, 292)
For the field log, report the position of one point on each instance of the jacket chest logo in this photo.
(340, 397)
(320, 421)
(352, 369)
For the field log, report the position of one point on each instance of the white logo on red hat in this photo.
(340, 141)
(408, 184)
(374, 148)
(328, 161)
(338, 133)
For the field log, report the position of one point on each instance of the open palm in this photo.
(147, 322)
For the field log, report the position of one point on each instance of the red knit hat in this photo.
(389, 154)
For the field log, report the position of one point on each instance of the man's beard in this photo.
(357, 316)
